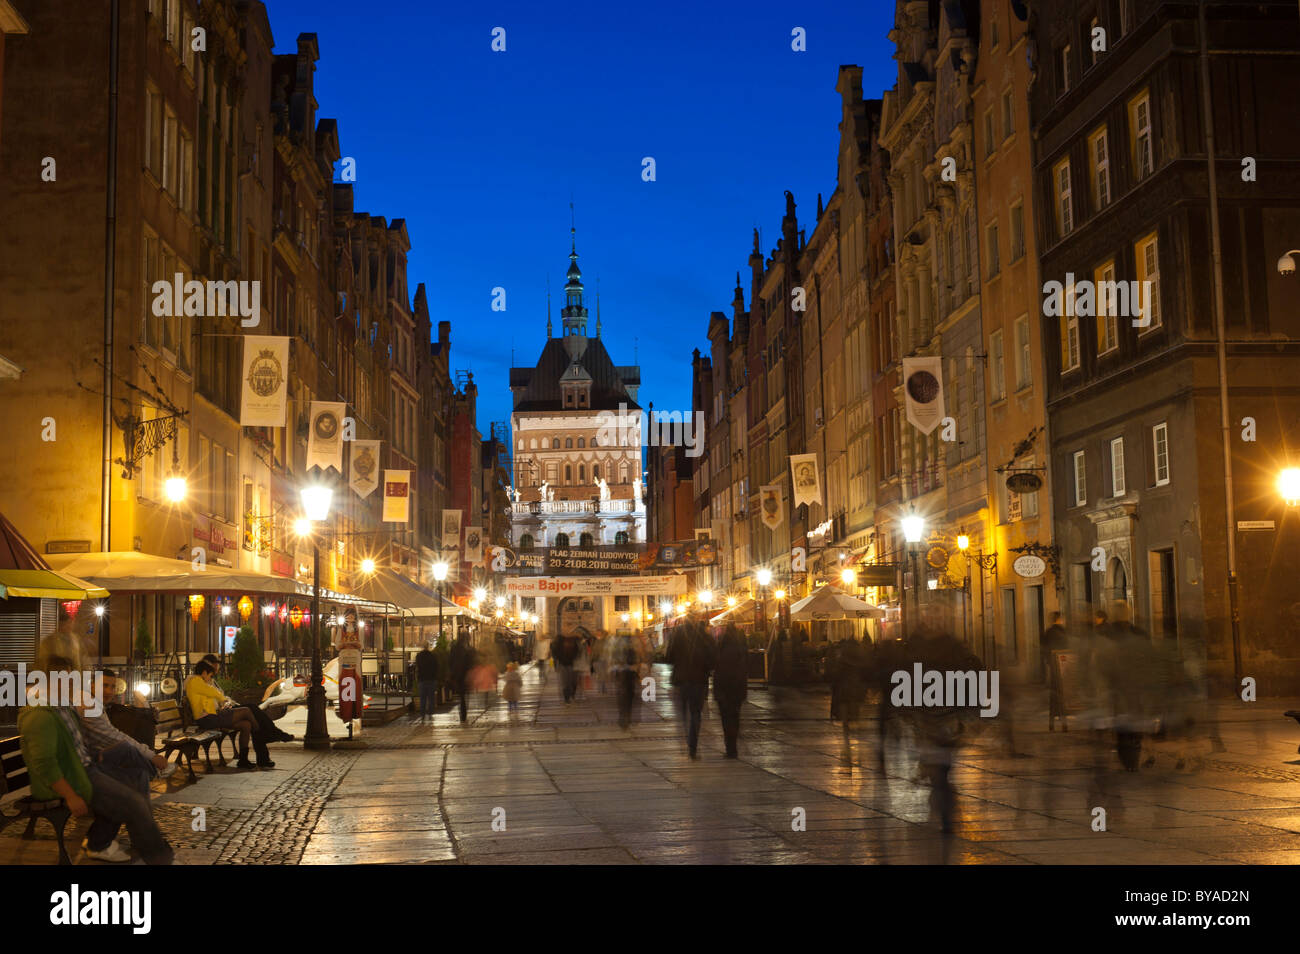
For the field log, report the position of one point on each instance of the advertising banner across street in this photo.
(596, 585)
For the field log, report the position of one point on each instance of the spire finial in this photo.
(573, 231)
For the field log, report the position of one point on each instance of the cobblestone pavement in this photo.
(560, 783)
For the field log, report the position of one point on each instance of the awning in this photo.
(828, 603)
(47, 584)
(743, 612)
(126, 571)
(388, 586)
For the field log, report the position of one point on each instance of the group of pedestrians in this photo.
(694, 656)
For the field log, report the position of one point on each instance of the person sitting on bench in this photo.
(59, 765)
(212, 710)
(266, 725)
(113, 748)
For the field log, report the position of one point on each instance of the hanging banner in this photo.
(923, 386)
(397, 496)
(771, 506)
(325, 435)
(363, 468)
(450, 529)
(266, 362)
(803, 472)
(674, 584)
(473, 545)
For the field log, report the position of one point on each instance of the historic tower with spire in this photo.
(577, 477)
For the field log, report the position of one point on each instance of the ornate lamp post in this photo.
(913, 529)
(764, 578)
(317, 495)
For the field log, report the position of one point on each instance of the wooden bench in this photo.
(16, 793)
(174, 736)
(232, 734)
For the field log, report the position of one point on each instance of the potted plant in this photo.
(143, 641)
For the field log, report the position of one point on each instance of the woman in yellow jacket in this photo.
(212, 710)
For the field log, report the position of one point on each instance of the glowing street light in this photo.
(1288, 485)
(963, 542)
(480, 594)
(175, 488)
(706, 597)
(779, 594)
(764, 576)
(731, 602)
(302, 527)
(367, 566)
(848, 575)
(500, 601)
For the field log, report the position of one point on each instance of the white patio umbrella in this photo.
(829, 603)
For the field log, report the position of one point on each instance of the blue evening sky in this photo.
(481, 153)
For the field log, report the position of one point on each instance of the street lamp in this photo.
(913, 528)
(480, 594)
(763, 577)
(848, 575)
(440, 574)
(1288, 485)
(317, 494)
(367, 566)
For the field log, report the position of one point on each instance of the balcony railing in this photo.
(540, 507)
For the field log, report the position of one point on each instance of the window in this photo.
(991, 241)
(990, 134)
(1069, 341)
(621, 538)
(1117, 485)
(582, 473)
(149, 331)
(1099, 159)
(1105, 306)
(582, 442)
(568, 474)
(1094, 54)
(1062, 60)
(561, 539)
(153, 145)
(1029, 502)
(595, 472)
(1148, 271)
(1017, 231)
(586, 540)
(568, 443)
(997, 368)
(1160, 450)
(1080, 480)
(1064, 208)
(1024, 368)
(1008, 115)
(526, 542)
(169, 145)
(555, 443)
(1139, 119)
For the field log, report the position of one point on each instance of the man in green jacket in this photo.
(59, 766)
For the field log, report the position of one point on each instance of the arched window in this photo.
(568, 474)
(521, 443)
(532, 444)
(585, 540)
(561, 539)
(622, 472)
(526, 542)
(595, 472)
(582, 442)
(555, 444)
(582, 473)
(568, 443)
(620, 538)
(595, 442)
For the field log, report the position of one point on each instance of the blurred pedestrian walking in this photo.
(564, 650)
(692, 655)
(459, 664)
(426, 673)
(731, 684)
(514, 684)
(852, 665)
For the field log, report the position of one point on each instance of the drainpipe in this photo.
(110, 233)
(1230, 513)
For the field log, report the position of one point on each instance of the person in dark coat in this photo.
(565, 650)
(852, 671)
(731, 684)
(459, 663)
(426, 673)
(692, 655)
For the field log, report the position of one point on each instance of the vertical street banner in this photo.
(363, 468)
(474, 545)
(923, 387)
(397, 496)
(804, 479)
(771, 506)
(325, 435)
(265, 382)
(451, 529)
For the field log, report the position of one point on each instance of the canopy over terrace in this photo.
(743, 612)
(827, 603)
(24, 572)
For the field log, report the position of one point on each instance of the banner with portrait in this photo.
(325, 435)
(804, 479)
(363, 467)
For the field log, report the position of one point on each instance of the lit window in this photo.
(997, 369)
(1099, 158)
(1024, 366)
(1148, 269)
(1105, 290)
